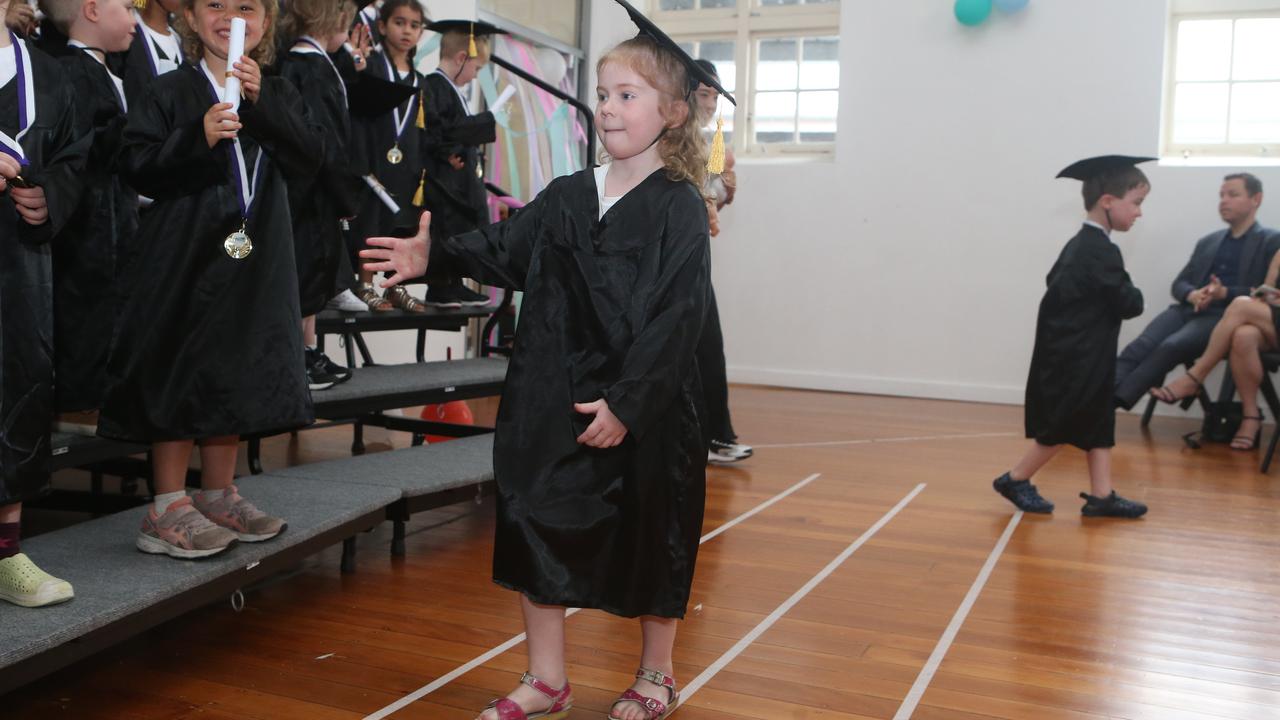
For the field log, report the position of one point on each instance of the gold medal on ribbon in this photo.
(394, 156)
(238, 245)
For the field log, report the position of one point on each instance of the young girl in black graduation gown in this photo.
(598, 455)
(39, 145)
(1070, 388)
(319, 28)
(392, 146)
(209, 343)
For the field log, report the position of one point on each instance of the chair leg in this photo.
(397, 538)
(1151, 410)
(1273, 404)
(348, 556)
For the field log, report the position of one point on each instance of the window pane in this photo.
(1255, 113)
(1204, 50)
(818, 116)
(1200, 113)
(778, 67)
(675, 5)
(820, 68)
(557, 18)
(775, 117)
(767, 3)
(1257, 49)
(719, 3)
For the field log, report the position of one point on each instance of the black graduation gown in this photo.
(319, 206)
(612, 309)
(85, 256)
(456, 198)
(26, 278)
(1072, 379)
(375, 136)
(134, 67)
(207, 345)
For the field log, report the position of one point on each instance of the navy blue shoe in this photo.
(1022, 494)
(1111, 506)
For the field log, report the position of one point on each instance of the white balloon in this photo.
(551, 65)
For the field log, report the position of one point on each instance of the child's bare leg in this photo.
(1032, 460)
(544, 627)
(1100, 472)
(11, 513)
(169, 461)
(218, 461)
(309, 331)
(659, 641)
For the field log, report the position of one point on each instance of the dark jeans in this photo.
(715, 382)
(1176, 336)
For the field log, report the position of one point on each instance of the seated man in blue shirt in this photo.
(1224, 265)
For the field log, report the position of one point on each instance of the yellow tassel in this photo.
(422, 117)
(471, 43)
(140, 4)
(715, 161)
(419, 197)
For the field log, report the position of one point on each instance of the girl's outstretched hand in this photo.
(406, 257)
(606, 430)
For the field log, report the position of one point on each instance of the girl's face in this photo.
(628, 111)
(115, 19)
(211, 20)
(707, 98)
(402, 30)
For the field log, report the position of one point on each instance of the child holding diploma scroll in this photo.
(209, 340)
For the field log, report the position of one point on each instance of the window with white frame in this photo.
(1223, 97)
(780, 59)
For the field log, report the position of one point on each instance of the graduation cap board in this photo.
(697, 74)
(473, 28)
(371, 96)
(1090, 168)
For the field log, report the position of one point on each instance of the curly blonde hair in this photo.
(682, 148)
(316, 17)
(264, 54)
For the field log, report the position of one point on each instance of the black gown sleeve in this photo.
(662, 353)
(1122, 296)
(498, 254)
(449, 129)
(164, 158)
(59, 175)
(282, 124)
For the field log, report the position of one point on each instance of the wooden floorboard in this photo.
(1174, 617)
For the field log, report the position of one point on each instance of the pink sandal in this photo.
(561, 702)
(654, 709)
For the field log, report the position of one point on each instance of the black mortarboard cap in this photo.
(697, 74)
(479, 28)
(362, 4)
(1093, 167)
(371, 96)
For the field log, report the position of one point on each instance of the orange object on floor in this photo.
(456, 412)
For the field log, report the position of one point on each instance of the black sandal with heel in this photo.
(1238, 442)
(1166, 396)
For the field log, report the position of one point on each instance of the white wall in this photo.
(913, 264)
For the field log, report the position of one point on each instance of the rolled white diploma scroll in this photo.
(502, 100)
(231, 93)
(381, 192)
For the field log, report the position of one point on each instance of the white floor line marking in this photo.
(796, 597)
(871, 441)
(495, 652)
(944, 643)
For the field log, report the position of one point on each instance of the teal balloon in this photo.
(1010, 6)
(972, 12)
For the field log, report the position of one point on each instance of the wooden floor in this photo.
(1173, 617)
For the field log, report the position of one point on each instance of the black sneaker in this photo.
(318, 378)
(1111, 506)
(1022, 494)
(340, 373)
(721, 452)
(467, 296)
(441, 296)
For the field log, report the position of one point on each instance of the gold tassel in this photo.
(422, 117)
(715, 161)
(471, 43)
(419, 197)
(140, 4)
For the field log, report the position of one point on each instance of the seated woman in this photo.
(1248, 326)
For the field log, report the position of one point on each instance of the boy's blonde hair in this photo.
(193, 48)
(682, 148)
(456, 41)
(319, 18)
(60, 12)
